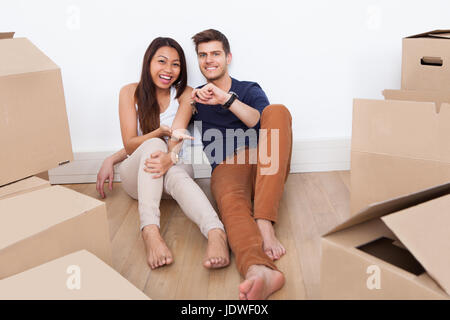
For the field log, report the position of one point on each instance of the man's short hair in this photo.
(211, 35)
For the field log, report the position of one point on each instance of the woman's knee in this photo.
(153, 145)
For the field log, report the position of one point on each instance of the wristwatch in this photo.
(230, 101)
(175, 158)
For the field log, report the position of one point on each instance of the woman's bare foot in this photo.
(271, 245)
(158, 254)
(260, 282)
(217, 253)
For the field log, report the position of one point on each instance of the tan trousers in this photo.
(177, 182)
(234, 186)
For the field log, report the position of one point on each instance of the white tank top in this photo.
(167, 117)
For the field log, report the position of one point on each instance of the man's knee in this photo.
(278, 111)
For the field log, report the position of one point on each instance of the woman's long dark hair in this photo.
(145, 95)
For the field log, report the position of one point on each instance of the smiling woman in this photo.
(164, 62)
(154, 114)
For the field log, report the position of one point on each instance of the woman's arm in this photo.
(181, 121)
(160, 162)
(117, 157)
(106, 172)
(128, 124)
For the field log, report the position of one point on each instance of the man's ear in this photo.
(229, 58)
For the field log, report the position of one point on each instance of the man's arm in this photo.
(248, 115)
(212, 95)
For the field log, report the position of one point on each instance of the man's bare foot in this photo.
(158, 254)
(260, 282)
(271, 245)
(217, 253)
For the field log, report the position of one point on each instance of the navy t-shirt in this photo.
(222, 132)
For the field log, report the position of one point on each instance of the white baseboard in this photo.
(307, 156)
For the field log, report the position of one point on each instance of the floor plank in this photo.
(311, 205)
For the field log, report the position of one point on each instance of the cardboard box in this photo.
(80, 275)
(398, 147)
(425, 61)
(22, 186)
(45, 224)
(34, 131)
(397, 249)
(438, 97)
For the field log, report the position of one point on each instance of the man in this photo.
(225, 103)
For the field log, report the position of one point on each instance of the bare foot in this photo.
(260, 282)
(271, 245)
(217, 253)
(158, 254)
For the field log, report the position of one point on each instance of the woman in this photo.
(153, 115)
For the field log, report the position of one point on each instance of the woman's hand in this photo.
(181, 134)
(158, 163)
(165, 131)
(106, 172)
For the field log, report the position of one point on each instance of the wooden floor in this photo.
(312, 204)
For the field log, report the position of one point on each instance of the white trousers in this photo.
(177, 182)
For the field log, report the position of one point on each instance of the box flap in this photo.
(423, 229)
(6, 35)
(438, 97)
(23, 186)
(406, 129)
(30, 213)
(383, 208)
(432, 34)
(441, 35)
(21, 56)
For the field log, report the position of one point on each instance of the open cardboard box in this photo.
(425, 61)
(396, 249)
(34, 131)
(398, 147)
(79, 275)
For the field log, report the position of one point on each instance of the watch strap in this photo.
(230, 101)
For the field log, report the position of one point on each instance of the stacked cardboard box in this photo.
(39, 222)
(79, 275)
(402, 147)
(396, 243)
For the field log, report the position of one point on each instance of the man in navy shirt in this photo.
(231, 114)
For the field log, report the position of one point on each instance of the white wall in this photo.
(313, 56)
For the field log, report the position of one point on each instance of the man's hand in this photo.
(210, 95)
(158, 163)
(106, 172)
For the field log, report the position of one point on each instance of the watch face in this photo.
(231, 92)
